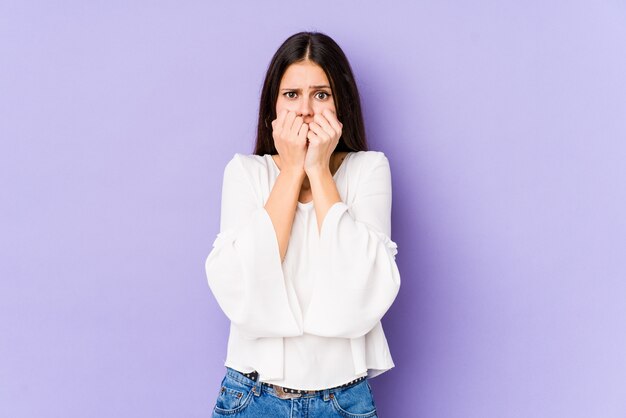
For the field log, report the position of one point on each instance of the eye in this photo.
(289, 92)
(327, 95)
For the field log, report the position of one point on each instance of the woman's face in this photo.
(305, 90)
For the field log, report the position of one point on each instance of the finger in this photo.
(278, 120)
(289, 118)
(304, 129)
(312, 136)
(331, 116)
(324, 123)
(313, 141)
(281, 120)
(297, 124)
(283, 114)
(319, 131)
(278, 123)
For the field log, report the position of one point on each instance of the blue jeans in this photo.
(240, 396)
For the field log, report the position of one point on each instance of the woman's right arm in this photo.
(289, 132)
(281, 205)
(244, 268)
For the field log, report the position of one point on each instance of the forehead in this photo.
(304, 73)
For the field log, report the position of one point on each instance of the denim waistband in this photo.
(251, 379)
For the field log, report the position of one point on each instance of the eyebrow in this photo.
(312, 87)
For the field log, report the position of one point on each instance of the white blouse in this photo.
(312, 321)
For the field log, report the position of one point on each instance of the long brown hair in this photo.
(324, 51)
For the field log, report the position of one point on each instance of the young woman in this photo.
(303, 265)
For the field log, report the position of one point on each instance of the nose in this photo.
(304, 110)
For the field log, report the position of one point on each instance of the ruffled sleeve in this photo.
(357, 276)
(243, 269)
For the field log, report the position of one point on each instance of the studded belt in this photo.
(286, 393)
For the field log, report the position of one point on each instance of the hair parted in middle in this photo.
(322, 50)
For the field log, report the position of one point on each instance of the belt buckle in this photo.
(285, 395)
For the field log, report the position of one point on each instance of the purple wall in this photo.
(505, 126)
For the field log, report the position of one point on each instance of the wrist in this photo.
(320, 176)
(293, 173)
(318, 172)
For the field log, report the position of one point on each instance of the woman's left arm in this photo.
(358, 276)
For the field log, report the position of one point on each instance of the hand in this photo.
(289, 133)
(324, 133)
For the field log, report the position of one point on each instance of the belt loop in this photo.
(257, 388)
(326, 394)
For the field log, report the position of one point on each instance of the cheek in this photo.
(320, 108)
(281, 105)
(285, 108)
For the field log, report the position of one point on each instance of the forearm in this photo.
(325, 193)
(282, 203)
